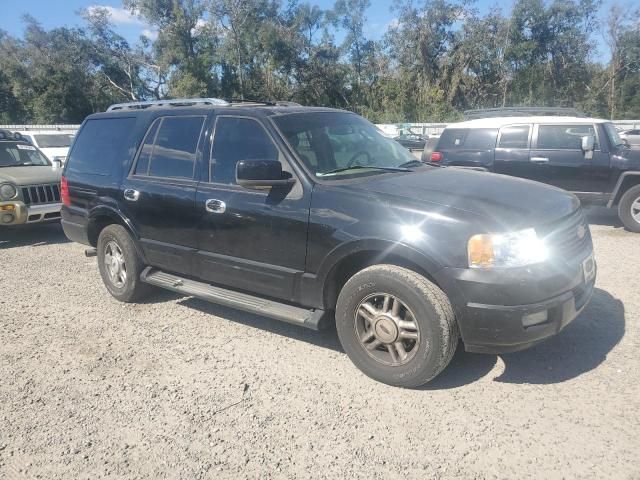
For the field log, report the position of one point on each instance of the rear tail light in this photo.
(436, 156)
(64, 192)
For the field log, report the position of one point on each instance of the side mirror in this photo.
(56, 164)
(262, 173)
(588, 142)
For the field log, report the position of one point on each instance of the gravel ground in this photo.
(178, 388)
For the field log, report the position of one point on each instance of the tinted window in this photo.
(563, 137)
(174, 151)
(101, 143)
(142, 166)
(13, 154)
(516, 136)
(238, 139)
(468, 138)
(54, 140)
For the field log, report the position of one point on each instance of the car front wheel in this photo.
(629, 209)
(396, 326)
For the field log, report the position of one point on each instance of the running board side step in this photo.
(309, 318)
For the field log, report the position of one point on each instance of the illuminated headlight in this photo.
(7, 191)
(504, 250)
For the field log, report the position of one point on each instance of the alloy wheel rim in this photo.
(635, 209)
(387, 329)
(115, 264)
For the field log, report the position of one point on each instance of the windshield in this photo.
(14, 154)
(612, 132)
(335, 144)
(54, 140)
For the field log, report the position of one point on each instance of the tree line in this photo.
(436, 59)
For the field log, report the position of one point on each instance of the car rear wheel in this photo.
(629, 209)
(396, 326)
(120, 265)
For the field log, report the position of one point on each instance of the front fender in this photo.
(624, 181)
(382, 249)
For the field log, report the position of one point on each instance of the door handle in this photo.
(131, 195)
(215, 206)
(540, 159)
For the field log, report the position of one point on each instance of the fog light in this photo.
(535, 318)
(7, 218)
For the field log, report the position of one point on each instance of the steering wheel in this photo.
(352, 160)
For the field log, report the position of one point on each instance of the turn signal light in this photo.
(10, 207)
(481, 252)
(436, 156)
(64, 192)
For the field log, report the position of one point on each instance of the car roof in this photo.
(235, 109)
(46, 132)
(497, 122)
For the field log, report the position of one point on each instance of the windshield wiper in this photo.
(360, 167)
(412, 163)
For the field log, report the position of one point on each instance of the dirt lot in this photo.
(178, 388)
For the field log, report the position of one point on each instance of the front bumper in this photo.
(501, 311)
(17, 213)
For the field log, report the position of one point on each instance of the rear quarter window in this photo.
(100, 143)
(468, 139)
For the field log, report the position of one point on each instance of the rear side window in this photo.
(563, 137)
(100, 143)
(468, 139)
(170, 147)
(515, 136)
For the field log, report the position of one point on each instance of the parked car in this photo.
(29, 183)
(582, 155)
(53, 143)
(307, 214)
(631, 136)
(412, 140)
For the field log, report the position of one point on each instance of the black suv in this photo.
(302, 214)
(583, 155)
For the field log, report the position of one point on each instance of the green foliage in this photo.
(438, 57)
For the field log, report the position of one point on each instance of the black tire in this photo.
(132, 288)
(625, 213)
(429, 306)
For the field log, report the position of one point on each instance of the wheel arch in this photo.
(350, 259)
(103, 216)
(624, 183)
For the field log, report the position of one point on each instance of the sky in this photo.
(57, 13)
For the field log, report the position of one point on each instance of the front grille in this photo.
(38, 194)
(563, 237)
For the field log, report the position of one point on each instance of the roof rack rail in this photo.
(521, 112)
(9, 135)
(176, 102)
(184, 102)
(268, 103)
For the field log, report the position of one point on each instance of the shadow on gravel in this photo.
(607, 217)
(326, 338)
(32, 235)
(579, 348)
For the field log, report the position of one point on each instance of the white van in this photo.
(53, 143)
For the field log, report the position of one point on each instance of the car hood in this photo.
(505, 203)
(55, 152)
(30, 175)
